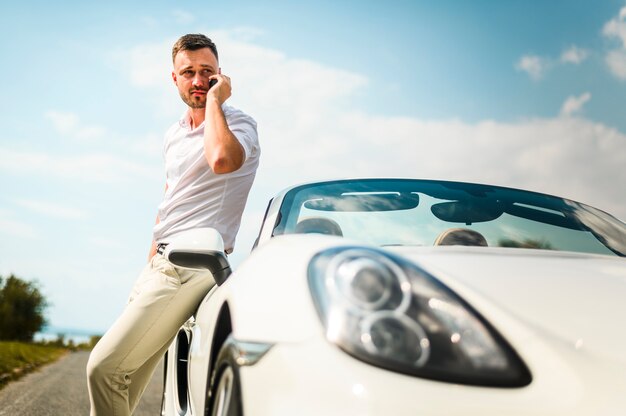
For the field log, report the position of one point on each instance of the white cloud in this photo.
(245, 33)
(128, 157)
(574, 105)
(17, 229)
(538, 66)
(149, 67)
(574, 55)
(146, 65)
(92, 167)
(572, 157)
(10, 226)
(51, 209)
(535, 66)
(290, 95)
(63, 122)
(150, 144)
(616, 27)
(69, 124)
(616, 58)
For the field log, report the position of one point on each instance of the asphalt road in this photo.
(61, 389)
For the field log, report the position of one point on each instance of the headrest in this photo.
(460, 237)
(318, 225)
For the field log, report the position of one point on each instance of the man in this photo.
(211, 157)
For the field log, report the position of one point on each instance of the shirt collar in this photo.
(185, 120)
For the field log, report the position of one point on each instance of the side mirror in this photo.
(200, 248)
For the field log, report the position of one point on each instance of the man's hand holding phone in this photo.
(219, 87)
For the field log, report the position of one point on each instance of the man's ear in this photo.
(174, 77)
(219, 71)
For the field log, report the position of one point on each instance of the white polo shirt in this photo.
(195, 195)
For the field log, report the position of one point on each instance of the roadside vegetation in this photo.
(19, 358)
(22, 308)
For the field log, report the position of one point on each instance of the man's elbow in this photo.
(224, 159)
(221, 165)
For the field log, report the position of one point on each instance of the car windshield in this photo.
(420, 212)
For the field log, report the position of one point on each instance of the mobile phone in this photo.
(212, 82)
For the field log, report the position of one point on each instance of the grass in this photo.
(17, 358)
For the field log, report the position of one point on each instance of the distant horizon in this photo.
(77, 336)
(56, 330)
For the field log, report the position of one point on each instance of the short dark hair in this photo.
(192, 42)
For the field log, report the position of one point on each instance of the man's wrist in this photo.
(212, 110)
(212, 102)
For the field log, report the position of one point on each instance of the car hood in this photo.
(577, 298)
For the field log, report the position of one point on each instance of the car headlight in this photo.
(388, 312)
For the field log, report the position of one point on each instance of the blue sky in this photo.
(527, 94)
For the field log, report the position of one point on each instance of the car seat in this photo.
(318, 225)
(460, 237)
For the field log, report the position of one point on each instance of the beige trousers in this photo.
(123, 361)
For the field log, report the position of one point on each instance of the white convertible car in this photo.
(408, 297)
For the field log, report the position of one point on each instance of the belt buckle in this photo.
(161, 248)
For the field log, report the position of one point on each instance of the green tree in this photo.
(22, 308)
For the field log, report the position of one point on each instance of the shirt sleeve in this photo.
(244, 128)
